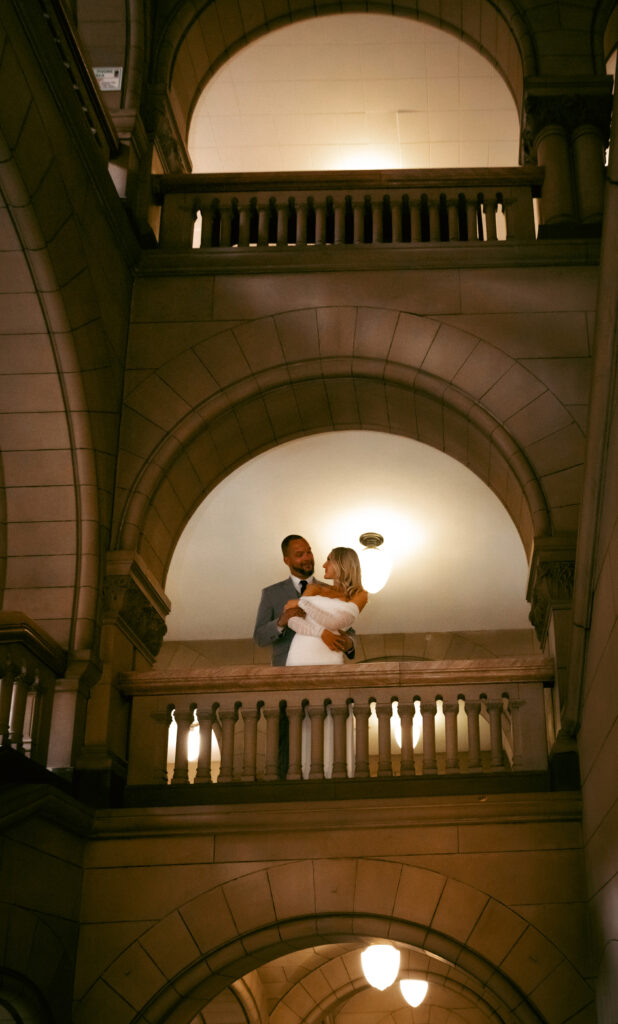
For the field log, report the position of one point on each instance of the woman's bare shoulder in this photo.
(321, 590)
(361, 599)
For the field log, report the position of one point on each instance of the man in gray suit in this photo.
(271, 625)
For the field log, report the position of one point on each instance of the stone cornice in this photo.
(309, 816)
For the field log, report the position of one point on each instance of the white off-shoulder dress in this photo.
(307, 647)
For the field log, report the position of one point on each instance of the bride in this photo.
(323, 607)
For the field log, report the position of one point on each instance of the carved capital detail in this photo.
(553, 586)
(567, 109)
(124, 600)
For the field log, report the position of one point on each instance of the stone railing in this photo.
(31, 662)
(403, 719)
(392, 208)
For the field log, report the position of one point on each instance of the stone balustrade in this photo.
(392, 208)
(30, 664)
(362, 721)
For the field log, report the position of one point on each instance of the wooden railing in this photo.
(370, 720)
(392, 208)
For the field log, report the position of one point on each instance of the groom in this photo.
(271, 625)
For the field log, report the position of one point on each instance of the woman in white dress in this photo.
(321, 607)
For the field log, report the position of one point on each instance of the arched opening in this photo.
(458, 562)
(354, 92)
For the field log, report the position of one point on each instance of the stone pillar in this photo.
(295, 719)
(565, 131)
(339, 715)
(494, 710)
(204, 760)
(272, 743)
(316, 717)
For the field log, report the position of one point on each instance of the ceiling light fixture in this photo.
(413, 990)
(375, 563)
(380, 965)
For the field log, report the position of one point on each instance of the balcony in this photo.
(239, 734)
(386, 209)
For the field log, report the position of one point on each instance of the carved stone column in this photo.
(566, 130)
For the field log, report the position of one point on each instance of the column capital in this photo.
(568, 102)
(134, 601)
(550, 584)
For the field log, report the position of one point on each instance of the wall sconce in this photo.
(375, 564)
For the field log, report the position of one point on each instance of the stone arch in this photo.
(186, 959)
(345, 367)
(211, 34)
(36, 970)
(62, 416)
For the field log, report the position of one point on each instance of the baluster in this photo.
(6, 695)
(472, 219)
(320, 221)
(406, 714)
(434, 219)
(362, 713)
(263, 217)
(473, 709)
(339, 715)
(283, 217)
(316, 718)
(207, 224)
(204, 759)
(515, 706)
(295, 719)
(181, 764)
(428, 712)
(376, 220)
(490, 218)
(18, 711)
(163, 720)
(250, 720)
(415, 221)
(301, 223)
(385, 766)
(244, 223)
(495, 708)
(225, 223)
(358, 208)
(339, 210)
(396, 219)
(450, 728)
(271, 768)
(453, 220)
(227, 717)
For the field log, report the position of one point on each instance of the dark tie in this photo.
(303, 584)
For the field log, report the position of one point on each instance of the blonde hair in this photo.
(348, 570)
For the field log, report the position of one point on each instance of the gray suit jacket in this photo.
(266, 630)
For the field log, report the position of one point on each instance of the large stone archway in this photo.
(197, 950)
(216, 399)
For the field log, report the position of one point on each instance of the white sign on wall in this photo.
(109, 79)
